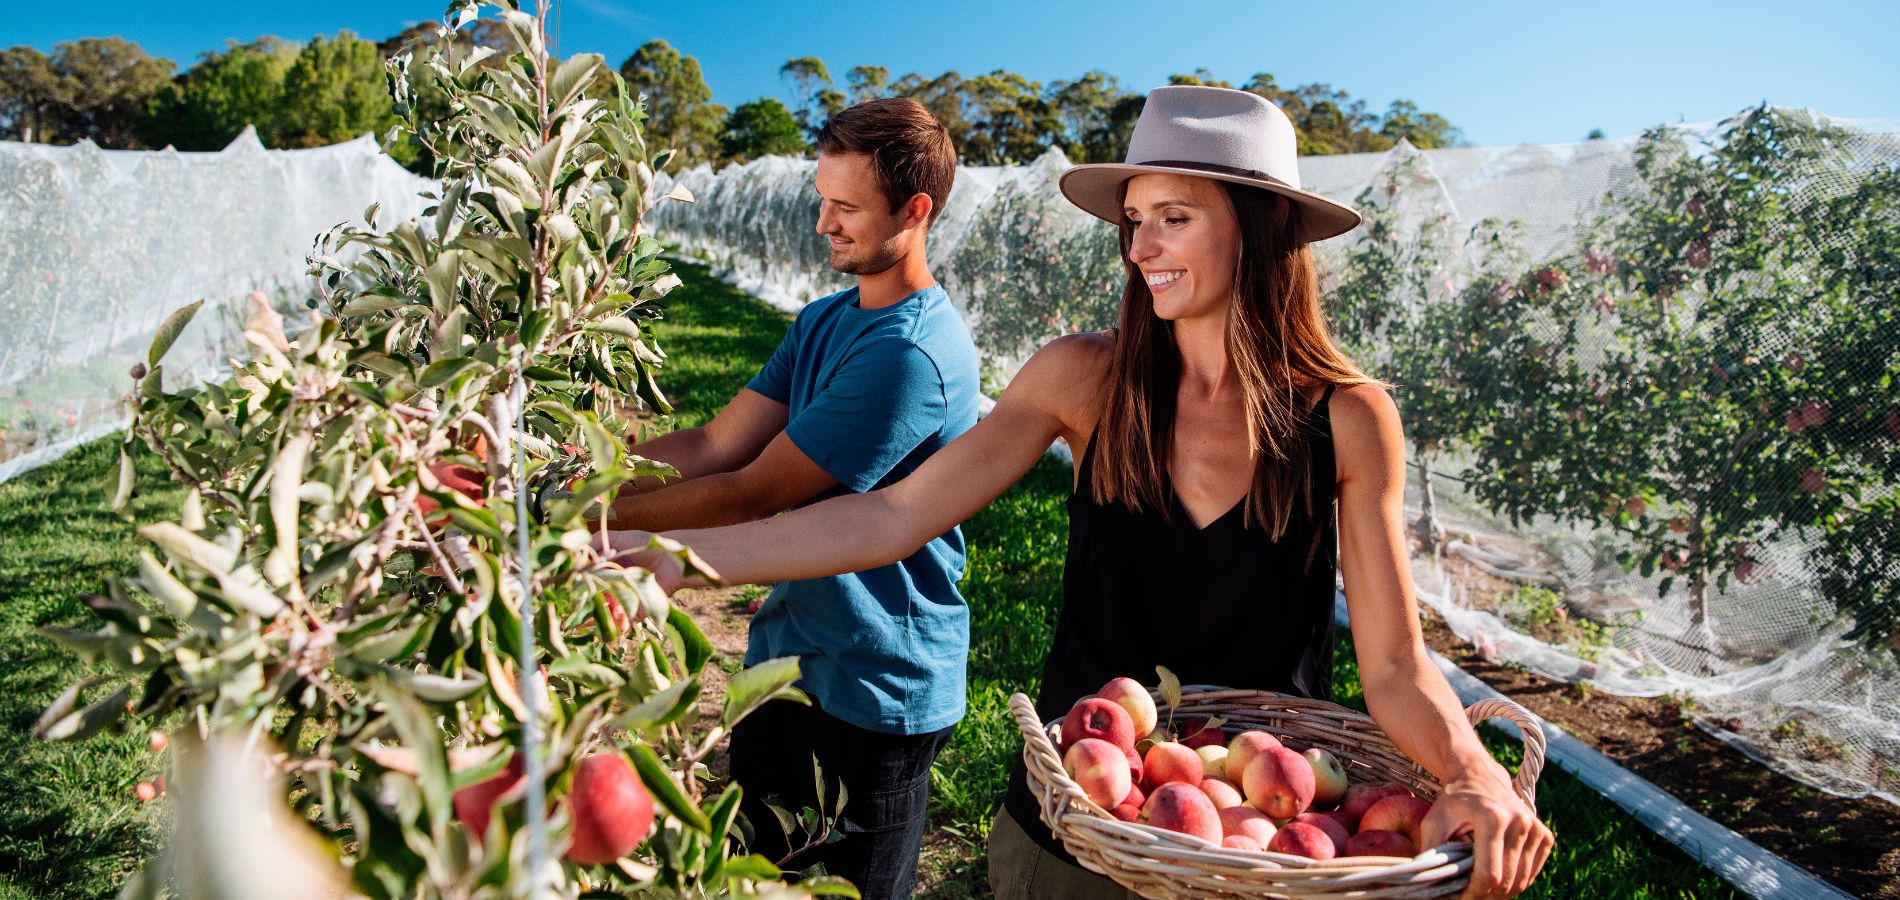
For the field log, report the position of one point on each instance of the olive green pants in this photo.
(1021, 870)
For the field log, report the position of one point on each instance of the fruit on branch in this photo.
(476, 802)
(611, 810)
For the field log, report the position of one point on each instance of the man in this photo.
(867, 384)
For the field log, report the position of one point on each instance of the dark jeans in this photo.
(887, 792)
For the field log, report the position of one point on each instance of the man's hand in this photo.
(636, 550)
(1511, 844)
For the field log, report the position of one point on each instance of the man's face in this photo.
(855, 215)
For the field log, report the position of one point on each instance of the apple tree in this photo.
(390, 578)
(1714, 369)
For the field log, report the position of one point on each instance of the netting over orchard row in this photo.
(1649, 386)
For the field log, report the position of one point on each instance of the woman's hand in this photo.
(635, 549)
(1511, 843)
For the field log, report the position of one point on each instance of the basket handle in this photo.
(1525, 781)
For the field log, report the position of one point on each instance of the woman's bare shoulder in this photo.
(1366, 428)
(1066, 376)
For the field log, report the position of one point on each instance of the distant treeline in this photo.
(327, 90)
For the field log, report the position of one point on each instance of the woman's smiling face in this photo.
(1186, 243)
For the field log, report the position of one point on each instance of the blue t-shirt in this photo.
(871, 394)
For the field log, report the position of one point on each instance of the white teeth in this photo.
(1161, 278)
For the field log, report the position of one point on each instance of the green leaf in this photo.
(168, 332)
(286, 480)
(665, 789)
(663, 708)
(828, 886)
(756, 686)
(178, 600)
(441, 276)
(572, 77)
(442, 371)
(89, 646)
(478, 522)
(60, 723)
(128, 479)
(590, 490)
(420, 735)
(1170, 690)
(617, 326)
(752, 867)
(375, 303)
(693, 647)
(432, 688)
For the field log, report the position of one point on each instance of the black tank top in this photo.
(1224, 604)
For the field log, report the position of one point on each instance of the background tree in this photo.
(333, 92)
(209, 105)
(681, 113)
(1426, 131)
(29, 95)
(808, 78)
(868, 82)
(105, 85)
(761, 128)
(1745, 383)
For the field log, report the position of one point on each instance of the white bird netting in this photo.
(1758, 585)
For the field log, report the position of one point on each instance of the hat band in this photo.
(1215, 168)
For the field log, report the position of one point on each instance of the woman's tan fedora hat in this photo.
(1212, 132)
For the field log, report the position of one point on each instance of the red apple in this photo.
(1094, 717)
(1171, 762)
(468, 481)
(1301, 839)
(1240, 842)
(1346, 823)
(1244, 747)
(474, 803)
(1195, 733)
(1136, 797)
(1224, 793)
(1127, 812)
(1328, 824)
(1133, 699)
(1279, 783)
(1329, 777)
(1247, 821)
(1134, 765)
(1360, 798)
(611, 810)
(1183, 808)
(1402, 813)
(1379, 843)
(1100, 769)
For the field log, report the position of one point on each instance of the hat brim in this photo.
(1096, 189)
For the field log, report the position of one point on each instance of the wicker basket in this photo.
(1155, 862)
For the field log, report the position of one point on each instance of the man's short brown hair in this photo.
(910, 150)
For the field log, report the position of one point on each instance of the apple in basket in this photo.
(1249, 823)
(1278, 782)
(1244, 747)
(1301, 839)
(1169, 761)
(1329, 777)
(1100, 769)
(1326, 823)
(1402, 813)
(1196, 732)
(1379, 843)
(1224, 793)
(1094, 717)
(1134, 699)
(1360, 798)
(1183, 808)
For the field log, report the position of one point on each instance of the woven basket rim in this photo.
(1161, 863)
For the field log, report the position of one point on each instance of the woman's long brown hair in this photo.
(1278, 342)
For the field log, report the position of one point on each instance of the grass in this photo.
(69, 826)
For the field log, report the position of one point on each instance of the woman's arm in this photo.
(1408, 697)
(863, 531)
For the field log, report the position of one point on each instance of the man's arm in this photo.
(735, 438)
(781, 477)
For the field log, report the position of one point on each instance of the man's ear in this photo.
(917, 210)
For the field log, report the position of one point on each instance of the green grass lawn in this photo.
(69, 826)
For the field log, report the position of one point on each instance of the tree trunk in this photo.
(1429, 533)
(1703, 629)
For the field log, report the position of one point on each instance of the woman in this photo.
(1214, 430)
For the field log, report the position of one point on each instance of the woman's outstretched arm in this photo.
(1408, 697)
(863, 531)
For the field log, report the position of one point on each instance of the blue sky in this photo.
(1506, 72)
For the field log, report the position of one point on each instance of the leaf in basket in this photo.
(1213, 722)
(1170, 691)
